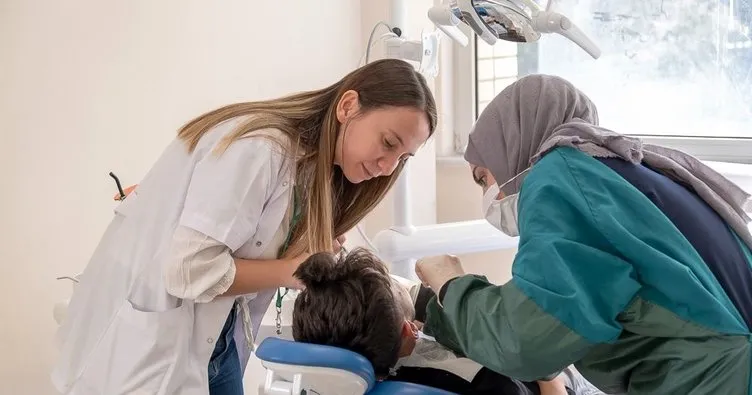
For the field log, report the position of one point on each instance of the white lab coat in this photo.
(124, 333)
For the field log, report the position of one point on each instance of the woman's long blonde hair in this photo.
(331, 205)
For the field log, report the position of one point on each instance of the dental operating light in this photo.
(520, 21)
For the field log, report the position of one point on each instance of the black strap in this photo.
(443, 290)
(421, 302)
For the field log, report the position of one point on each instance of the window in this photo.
(674, 72)
(496, 67)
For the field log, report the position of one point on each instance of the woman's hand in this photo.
(253, 275)
(339, 243)
(435, 271)
(553, 387)
(292, 265)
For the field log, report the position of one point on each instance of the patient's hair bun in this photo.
(325, 267)
(317, 268)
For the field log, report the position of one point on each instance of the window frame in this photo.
(465, 98)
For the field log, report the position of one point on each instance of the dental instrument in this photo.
(119, 187)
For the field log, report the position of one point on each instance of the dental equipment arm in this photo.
(447, 22)
(551, 22)
(510, 20)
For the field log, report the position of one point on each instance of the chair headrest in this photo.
(289, 352)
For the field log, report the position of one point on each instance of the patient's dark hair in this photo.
(348, 302)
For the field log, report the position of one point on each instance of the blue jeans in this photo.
(225, 373)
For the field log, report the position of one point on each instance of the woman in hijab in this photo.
(634, 260)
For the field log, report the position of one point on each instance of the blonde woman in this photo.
(176, 289)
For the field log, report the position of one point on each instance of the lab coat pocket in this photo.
(151, 348)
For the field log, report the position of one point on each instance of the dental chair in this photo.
(294, 368)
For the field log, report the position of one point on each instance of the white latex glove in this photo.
(435, 271)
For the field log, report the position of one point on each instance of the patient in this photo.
(351, 302)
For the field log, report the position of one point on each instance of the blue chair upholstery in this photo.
(402, 388)
(288, 352)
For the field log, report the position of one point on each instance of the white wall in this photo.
(88, 87)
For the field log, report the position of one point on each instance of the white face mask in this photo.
(502, 214)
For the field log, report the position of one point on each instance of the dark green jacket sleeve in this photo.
(566, 292)
(503, 330)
